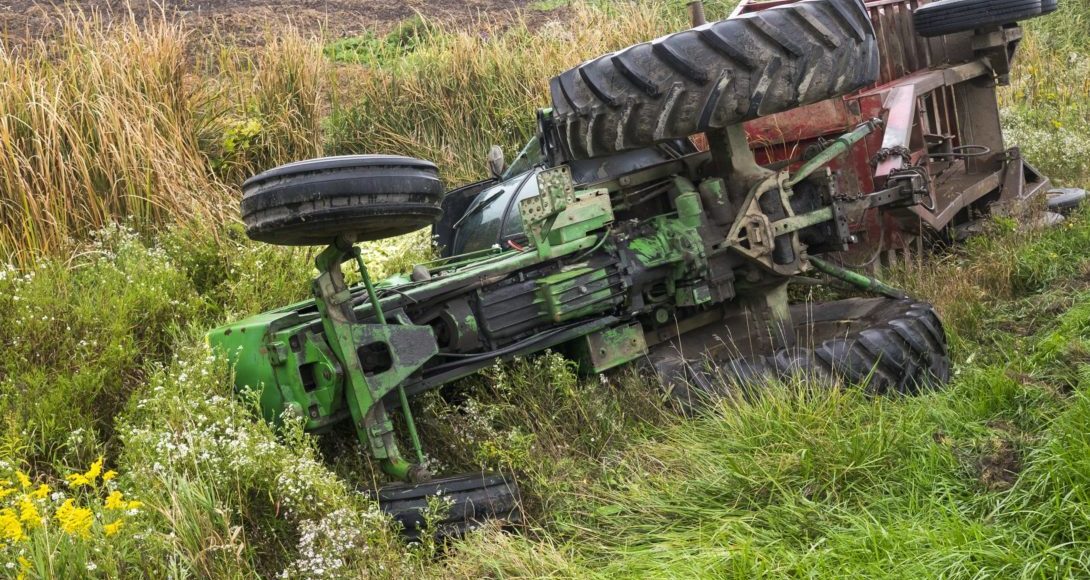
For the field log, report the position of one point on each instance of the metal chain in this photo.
(887, 152)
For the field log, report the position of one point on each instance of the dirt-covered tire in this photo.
(1065, 199)
(367, 197)
(950, 16)
(715, 75)
(890, 346)
(471, 499)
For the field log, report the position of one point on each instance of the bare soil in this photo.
(250, 22)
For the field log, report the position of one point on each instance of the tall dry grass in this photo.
(457, 92)
(134, 122)
(124, 123)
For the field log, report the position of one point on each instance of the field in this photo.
(124, 453)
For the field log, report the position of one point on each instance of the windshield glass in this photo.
(529, 156)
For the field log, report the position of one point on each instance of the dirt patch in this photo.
(994, 461)
(999, 464)
(250, 22)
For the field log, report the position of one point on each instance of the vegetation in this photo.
(107, 396)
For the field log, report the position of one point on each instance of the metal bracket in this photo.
(376, 358)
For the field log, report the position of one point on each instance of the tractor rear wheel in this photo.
(469, 499)
(364, 197)
(890, 346)
(713, 76)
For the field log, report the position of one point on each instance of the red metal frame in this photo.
(935, 94)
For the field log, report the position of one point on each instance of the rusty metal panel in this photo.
(803, 123)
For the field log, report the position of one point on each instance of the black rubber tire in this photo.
(950, 16)
(1049, 6)
(1065, 200)
(713, 76)
(475, 498)
(367, 197)
(891, 346)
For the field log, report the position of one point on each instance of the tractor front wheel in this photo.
(362, 197)
(464, 500)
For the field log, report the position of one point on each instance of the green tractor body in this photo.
(655, 253)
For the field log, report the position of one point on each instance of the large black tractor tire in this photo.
(890, 346)
(950, 16)
(365, 197)
(713, 76)
(472, 499)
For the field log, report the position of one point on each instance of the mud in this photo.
(251, 22)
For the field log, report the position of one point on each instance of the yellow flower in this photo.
(114, 501)
(109, 475)
(10, 528)
(28, 513)
(41, 493)
(75, 520)
(96, 468)
(24, 565)
(6, 492)
(112, 528)
(24, 481)
(88, 478)
(77, 479)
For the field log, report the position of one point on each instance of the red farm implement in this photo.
(938, 98)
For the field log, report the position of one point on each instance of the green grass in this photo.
(101, 330)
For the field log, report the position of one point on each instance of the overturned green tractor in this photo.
(619, 243)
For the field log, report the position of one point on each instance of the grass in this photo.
(101, 329)
(101, 125)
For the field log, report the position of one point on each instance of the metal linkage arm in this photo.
(375, 358)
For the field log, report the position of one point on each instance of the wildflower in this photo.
(112, 528)
(77, 479)
(24, 481)
(24, 565)
(109, 475)
(41, 493)
(88, 478)
(6, 492)
(74, 520)
(28, 513)
(114, 501)
(10, 528)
